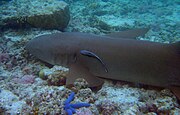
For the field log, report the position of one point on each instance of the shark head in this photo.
(53, 49)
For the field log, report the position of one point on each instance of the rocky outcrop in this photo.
(47, 14)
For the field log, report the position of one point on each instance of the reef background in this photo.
(28, 85)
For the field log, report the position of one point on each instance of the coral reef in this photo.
(127, 100)
(4, 1)
(12, 102)
(107, 107)
(84, 111)
(105, 17)
(4, 57)
(54, 100)
(28, 86)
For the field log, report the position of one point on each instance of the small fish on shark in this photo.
(116, 56)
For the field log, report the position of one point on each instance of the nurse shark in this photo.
(116, 56)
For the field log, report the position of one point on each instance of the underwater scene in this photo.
(90, 57)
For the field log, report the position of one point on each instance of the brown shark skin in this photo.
(130, 60)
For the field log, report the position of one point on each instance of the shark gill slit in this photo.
(66, 59)
(60, 60)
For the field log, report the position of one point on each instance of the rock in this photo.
(107, 107)
(80, 83)
(47, 14)
(10, 102)
(54, 76)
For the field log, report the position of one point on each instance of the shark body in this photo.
(114, 56)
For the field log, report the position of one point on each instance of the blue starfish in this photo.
(71, 108)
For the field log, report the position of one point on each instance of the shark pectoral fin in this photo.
(130, 34)
(176, 91)
(78, 71)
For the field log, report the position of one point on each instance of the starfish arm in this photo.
(70, 98)
(73, 110)
(79, 105)
(69, 112)
(66, 106)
